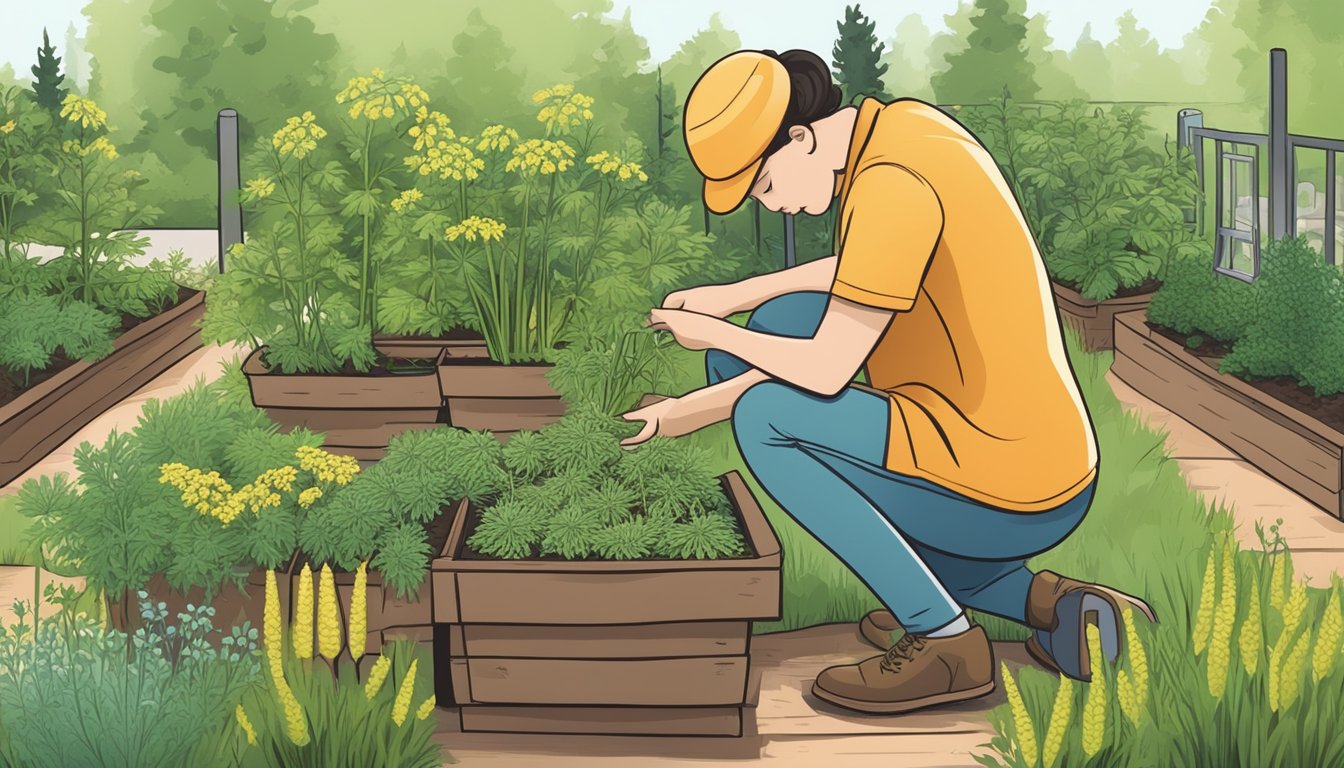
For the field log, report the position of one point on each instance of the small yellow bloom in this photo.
(544, 156)
(1225, 615)
(426, 709)
(376, 676)
(299, 136)
(245, 724)
(309, 496)
(496, 138)
(1290, 680)
(407, 199)
(84, 111)
(401, 706)
(7, 128)
(473, 227)
(260, 187)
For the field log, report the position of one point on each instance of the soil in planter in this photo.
(1329, 410)
(11, 389)
(1147, 286)
(382, 366)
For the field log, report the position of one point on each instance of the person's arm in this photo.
(697, 409)
(724, 299)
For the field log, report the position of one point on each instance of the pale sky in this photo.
(778, 24)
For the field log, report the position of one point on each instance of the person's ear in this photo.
(803, 133)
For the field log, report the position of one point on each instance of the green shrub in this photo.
(575, 492)
(1193, 298)
(74, 693)
(32, 328)
(1297, 326)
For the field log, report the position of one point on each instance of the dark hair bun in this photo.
(812, 93)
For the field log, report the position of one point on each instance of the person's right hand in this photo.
(716, 300)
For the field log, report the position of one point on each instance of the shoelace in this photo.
(903, 650)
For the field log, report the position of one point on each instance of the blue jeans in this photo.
(925, 551)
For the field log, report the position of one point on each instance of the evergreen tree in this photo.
(857, 57)
(47, 77)
(907, 59)
(1090, 66)
(694, 56)
(1142, 71)
(994, 57)
(76, 60)
(666, 100)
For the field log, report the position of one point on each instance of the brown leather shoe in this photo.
(1059, 610)
(914, 673)
(877, 627)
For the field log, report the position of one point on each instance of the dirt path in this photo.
(785, 726)
(1314, 536)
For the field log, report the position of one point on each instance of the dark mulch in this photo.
(1329, 410)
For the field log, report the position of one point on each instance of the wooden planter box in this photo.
(40, 419)
(358, 413)
(1292, 447)
(652, 647)
(482, 394)
(1094, 320)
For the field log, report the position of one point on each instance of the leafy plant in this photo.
(25, 138)
(32, 328)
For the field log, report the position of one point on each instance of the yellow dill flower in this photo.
(1225, 616)
(1094, 709)
(359, 612)
(1059, 721)
(1204, 615)
(301, 631)
(426, 708)
(299, 136)
(327, 467)
(562, 109)
(328, 616)
(408, 198)
(401, 706)
(1250, 640)
(1026, 733)
(241, 715)
(377, 97)
(1327, 642)
(84, 111)
(7, 128)
(473, 227)
(496, 138)
(259, 188)
(376, 676)
(1290, 679)
(309, 496)
(540, 156)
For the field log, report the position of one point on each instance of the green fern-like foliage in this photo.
(507, 531)
(351, 524)
(612, 501)
(704, 537)
(570, 533)
(584, 441)
(629, 540)
(471, 462)
(257, 449)
(535, 499)
(570, 487)
(195, 428)
(403, 557)
(525, 455)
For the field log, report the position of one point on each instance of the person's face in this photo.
(795, 179)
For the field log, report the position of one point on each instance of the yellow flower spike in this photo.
(271, 631)
(1059, 721)
(1026, 733)
(301, 631)
(376, 676)
(1225, 616)
(426, 709)
(1327, 642)
(1277, 577)
(328, 616)
(241, 715)
(401, 706)
(1290, 679)
(1250, 639)
(296, 725)
(359, 612)
(1094, 709)
(1204, 615)
(1124, 692)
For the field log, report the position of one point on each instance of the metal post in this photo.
(1185, 120)
(790, 257)
(230, 210)
(1280, 170)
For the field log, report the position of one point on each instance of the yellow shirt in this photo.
(983, 401)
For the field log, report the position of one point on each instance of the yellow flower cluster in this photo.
(426, 708)
(209, 493)
(562, 108)
(77, 109)
(401, 706)
(496, 138)
(309, 496)
(610, 164)
(407, 198)
(474, 227)
(376, 676)
(1026, 734)
(7, 128)
(299, 136)
(430, 127)
(100, 145)
(375, 97)
(442, 151)
(542, 156)
(259, 188)
(327, 467)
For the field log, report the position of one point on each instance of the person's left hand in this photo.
(692, 330)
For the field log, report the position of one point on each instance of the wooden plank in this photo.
(465, 376)
(617, 598)
(625, 721)
(1094, 320)
(506, 415)
(444, 598)
(336, 392)
(696, 681)
(706, 638)
(1295, 449)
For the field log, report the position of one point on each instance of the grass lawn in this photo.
(13, 549)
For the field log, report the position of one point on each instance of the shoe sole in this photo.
(899, 707)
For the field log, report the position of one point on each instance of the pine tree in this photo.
(857, 57)
(76, 60)
(907, 59)
(995, 56)
(47, 89)
(666, 97)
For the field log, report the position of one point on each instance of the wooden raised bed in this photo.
(637, 647)
(41, 418)
(357, 413)
(1094, 320)
(483, 394)
(1295, 449)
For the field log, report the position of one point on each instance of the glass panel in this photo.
(1243, 190)
(1339, 211)
(1309, 196)
(1228, 193)
(1243, 257)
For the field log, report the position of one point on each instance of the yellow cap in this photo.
(732, 113)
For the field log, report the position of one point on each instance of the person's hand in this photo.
(666, 418)
(692, 330)
(713, 300)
